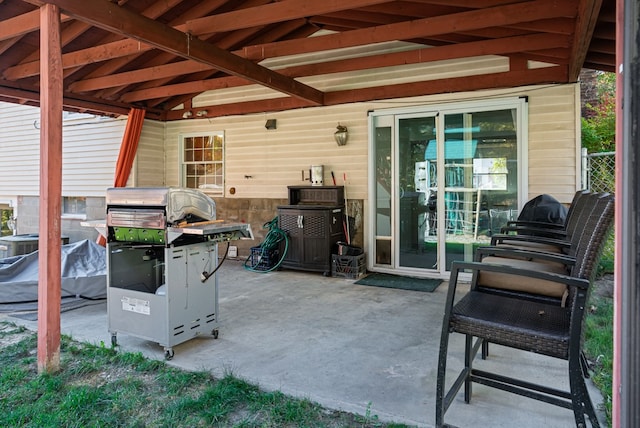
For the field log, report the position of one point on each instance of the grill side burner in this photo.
(162, 252)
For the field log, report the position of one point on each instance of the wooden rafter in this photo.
(113, 18)
(470, 20)
(490, 47)
(117, 55)
(457, 84)
(586, 23)
(270, 14)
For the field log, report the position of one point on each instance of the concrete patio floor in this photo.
(360, 349)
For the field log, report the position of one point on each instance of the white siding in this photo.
(90, 153)
(90, 149)
(148, 170)
(19, 150)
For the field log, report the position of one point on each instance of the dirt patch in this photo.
(603, 286)
(10, 334)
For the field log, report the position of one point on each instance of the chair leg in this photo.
(580, 400)
(440, 382)
(485, 349)
(468, 363)
(585, 365)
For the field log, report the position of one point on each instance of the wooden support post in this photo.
(49, 277)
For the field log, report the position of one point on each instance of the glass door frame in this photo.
(520, 104)
(395, 201)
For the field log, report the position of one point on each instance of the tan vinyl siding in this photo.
(304, 137)
(554, 142)
(276, 158)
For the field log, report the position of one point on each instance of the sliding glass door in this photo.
(444, 181)
(416, 186)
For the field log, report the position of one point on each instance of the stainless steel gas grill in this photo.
(162, 255)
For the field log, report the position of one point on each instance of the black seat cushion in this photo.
(532, 326)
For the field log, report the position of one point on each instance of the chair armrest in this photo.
(570, 281)
(502, 239)
(482, 252)
(538, 224)
(525, 230)
(580, 284)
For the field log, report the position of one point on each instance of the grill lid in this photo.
(178, 203)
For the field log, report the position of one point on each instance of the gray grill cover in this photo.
(84, 274)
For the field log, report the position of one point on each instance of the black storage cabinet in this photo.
(314, 222)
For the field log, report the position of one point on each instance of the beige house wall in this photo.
(261, 163)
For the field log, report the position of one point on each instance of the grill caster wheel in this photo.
(114, 341)
(168, 354)
(214, 333)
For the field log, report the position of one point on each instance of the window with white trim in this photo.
(203, 162)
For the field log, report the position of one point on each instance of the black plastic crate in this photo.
(348, 266)
(263, 259)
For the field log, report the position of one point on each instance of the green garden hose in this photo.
(271, 242)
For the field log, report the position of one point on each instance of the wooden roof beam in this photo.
(20, 25)
(531, 42)
(586, 20)
(201, 8)
(270, 14)
(430, 87)
(401, 31)
(419, 28)
(71, 102)
(113, 18)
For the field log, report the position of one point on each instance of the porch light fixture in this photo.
(341, 135)
(202, 113)
(187, 115)
(271, 124)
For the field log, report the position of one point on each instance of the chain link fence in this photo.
(599, 171)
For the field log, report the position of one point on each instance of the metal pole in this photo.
(626, 392)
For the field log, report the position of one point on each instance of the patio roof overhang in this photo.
(159, 55)
(107, 57)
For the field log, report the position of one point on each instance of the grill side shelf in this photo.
(217, 232)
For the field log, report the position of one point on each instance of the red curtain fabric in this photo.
(128, 150)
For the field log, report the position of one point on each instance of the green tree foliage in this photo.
(599, 127)
(5, 215)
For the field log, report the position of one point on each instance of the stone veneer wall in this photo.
(257, 212)
(28, 211)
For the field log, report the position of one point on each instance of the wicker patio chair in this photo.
(519, 320)
(550, 236)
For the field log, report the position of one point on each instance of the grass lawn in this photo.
(99, 387)
(598, 344)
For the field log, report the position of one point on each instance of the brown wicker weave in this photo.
(533, 236)
(578, 204)
(526, 323)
